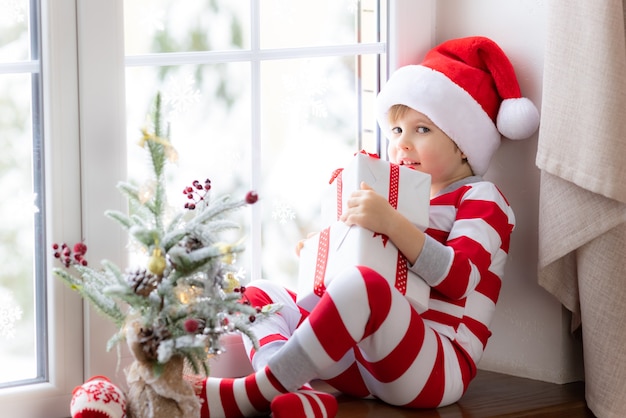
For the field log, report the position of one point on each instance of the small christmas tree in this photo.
(187, 295)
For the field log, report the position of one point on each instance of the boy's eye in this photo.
(397, 130)
(422, 130)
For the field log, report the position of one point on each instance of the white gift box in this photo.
(406, 189)
(340, 246)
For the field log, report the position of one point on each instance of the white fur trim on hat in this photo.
(447, 105)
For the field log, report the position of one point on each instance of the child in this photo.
(444, 117)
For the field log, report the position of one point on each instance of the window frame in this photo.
(63, 308)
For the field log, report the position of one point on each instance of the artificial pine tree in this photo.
(187, 295)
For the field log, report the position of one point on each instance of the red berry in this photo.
(191, 325)
(252, 318)
(252, 197)
(55, 246)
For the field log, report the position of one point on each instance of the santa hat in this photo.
(467, 87)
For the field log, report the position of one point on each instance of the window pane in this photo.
(298, 23)
(309, 123)
(207, 108)
(18, 357)
(153, 26)
(14, 33)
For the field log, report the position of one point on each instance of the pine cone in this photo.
(192, 244)
(142, 281)
(150, 338)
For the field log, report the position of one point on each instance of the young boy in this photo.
(444, 117)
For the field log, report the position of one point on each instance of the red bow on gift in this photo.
(338, 171)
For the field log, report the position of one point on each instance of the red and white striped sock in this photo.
(260, 393)
(304, 403)
(241, 397)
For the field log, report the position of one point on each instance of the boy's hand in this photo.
(368, 209)
(300, 243)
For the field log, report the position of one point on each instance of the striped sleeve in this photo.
(470, 230)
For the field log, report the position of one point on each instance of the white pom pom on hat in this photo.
(468, 88)
(517, 118)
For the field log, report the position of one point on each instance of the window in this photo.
(21, 319)
(263, 94)
(41, 352)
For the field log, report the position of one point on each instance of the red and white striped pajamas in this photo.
(363, 336)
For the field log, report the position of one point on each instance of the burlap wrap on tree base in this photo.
(167, 395)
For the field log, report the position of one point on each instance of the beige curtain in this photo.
(582, 155)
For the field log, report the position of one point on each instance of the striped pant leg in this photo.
(274, 331)
(401, 360)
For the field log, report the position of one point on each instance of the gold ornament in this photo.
(156, 263)
(228, 256)
(231, 283)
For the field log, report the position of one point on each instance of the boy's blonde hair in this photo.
(396, 112)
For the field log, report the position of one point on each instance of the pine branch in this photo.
(101, 302)
(173, 238)
(219, 209)
(129, 190)
(120, 217)
(147, 237)
(189, 262)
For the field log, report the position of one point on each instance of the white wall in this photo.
(531, 330)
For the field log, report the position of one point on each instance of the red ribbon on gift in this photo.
(336, 175)
(322, 260)
(324, 240)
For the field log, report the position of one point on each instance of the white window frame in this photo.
(61, 145)
(84, 129)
